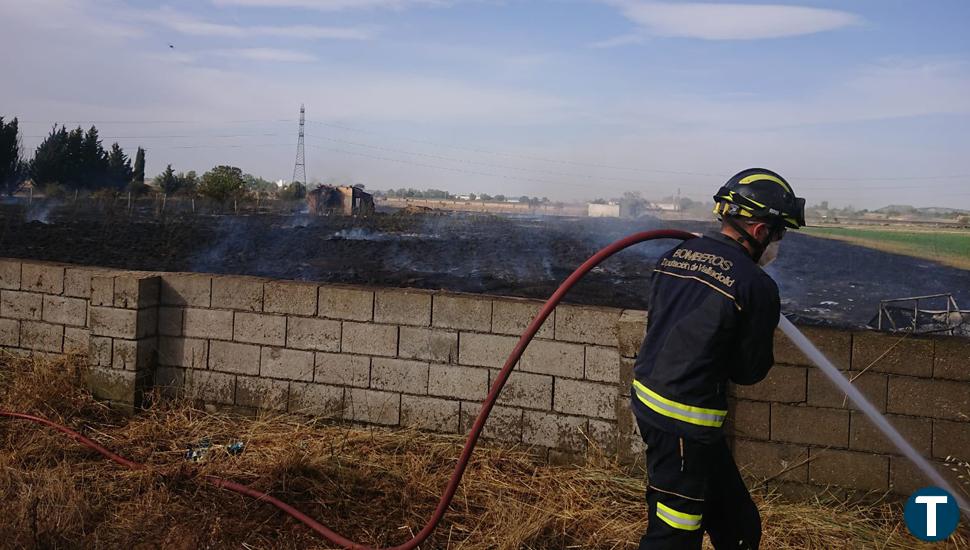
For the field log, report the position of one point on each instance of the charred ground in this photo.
(822, 280)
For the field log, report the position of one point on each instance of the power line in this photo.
(564, 162)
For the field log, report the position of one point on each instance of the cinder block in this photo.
(313, 334)
(45, 278)
(809, 425)
(402, 307)
(210, 387)
(604, 435)
(113, 322)
(9, 332)
(10, 274)
(462, 312)
(864, 471)
(836, 344)
(905, 477)
(890, 353)
(823, 393)
(169, 381)
(262, 393)
(99, 352)
(369, 339)
(147, 320)
(21, 305)
(587, 325)
(350, 304)
(186, 289)
(316, 400)
(952, 358)
(242, 293)
(372, 406)
(286, 363)
(750, 419)
(626, 375)
(602, 364)
(342, 369)
(136, 291)
(951, 439)
(779, 461)
(512, 317)
(783, 384)
(290, 298)
(41, 336)
(134, 354)
(65, 311)
(944, 399)
(427, 344)
(119, 386)
(183, 352)
(554, 430)
(555, 358)
(77, 281)
(458, 382)
(428, 413)
(234, 357)
(103, 290)
(399, 375)
(631, 329)
(503, 423)
(484, 350)
(170, 321)
(207, 323)
(578, 397)
(864, 436)
(529, 391)
(258, 328)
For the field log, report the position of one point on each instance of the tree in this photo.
(293, 191)
(222, 183)
(13, 169)
(138, 173)
(471, 196)
(187, 182)
(500, 198)
(92, 161)
(50, 158)
(166, 181)
(119, 167)
(258, 185)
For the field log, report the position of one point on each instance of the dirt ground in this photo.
(820, 280)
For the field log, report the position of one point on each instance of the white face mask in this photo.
(770, 253)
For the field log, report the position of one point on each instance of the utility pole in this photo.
(299, 169)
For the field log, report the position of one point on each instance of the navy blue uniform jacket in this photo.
(713, 313)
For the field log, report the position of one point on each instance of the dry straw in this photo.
(376, 486)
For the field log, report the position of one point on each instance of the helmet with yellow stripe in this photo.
(760, 194)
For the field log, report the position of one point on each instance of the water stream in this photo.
(869, 410)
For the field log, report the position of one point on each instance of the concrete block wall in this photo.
(405, 357)
(108, 316)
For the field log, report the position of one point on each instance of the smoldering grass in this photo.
(374, 485)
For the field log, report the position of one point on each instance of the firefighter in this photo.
(713, 313)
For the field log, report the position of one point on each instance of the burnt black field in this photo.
(821, 280)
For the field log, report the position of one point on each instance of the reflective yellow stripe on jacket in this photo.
(685, 413)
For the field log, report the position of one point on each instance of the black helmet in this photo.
(760, 194)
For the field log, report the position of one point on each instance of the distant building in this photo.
(609, 210)
(341, 200)
(464, 197)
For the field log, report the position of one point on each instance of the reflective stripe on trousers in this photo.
(685, 413)
(678, 520)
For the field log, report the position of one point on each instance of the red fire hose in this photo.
(473, 435)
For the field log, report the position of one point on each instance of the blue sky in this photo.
(864, 103)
